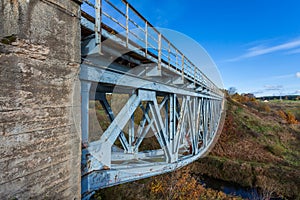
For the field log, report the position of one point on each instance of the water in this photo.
(233, 188)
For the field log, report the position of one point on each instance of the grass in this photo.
(8, 39)
(277, 150)
(263, 141)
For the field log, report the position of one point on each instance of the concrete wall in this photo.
(39, 64)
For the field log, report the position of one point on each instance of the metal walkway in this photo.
(146, 108)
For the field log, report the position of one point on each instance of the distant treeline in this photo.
(287, 97)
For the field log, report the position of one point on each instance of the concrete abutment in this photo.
(39, 114)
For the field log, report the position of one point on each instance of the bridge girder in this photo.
(183, 123)
(168, 98)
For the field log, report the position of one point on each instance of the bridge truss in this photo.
(160, 111)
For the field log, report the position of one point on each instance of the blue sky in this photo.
(254, 43)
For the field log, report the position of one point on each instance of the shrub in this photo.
(291, 119)
(276, 150)
(177, 185)
(281, 114)
(265, 108)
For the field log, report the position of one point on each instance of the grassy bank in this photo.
(259, 147)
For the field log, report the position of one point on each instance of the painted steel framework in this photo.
(168, 98)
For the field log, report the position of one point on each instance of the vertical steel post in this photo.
(85, 97)
(210, 117)
(172, 124)
(182, 67)
(198, 122)
(98, 21)
(195, 138)
(171, 118)
(215, 110)
(131, 133)
(195, 73)
(146, 39)
(169, 52)
(205, 121)
(159, 51)
(201, 126)
(176, 63)
(127, 24)
(167, 116)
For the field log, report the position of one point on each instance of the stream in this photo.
(233, 188)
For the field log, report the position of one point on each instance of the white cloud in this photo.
(263, 49)
(257, 92)
(298, 74)
(294, 51)
(273, 87)
(282, 76)
(296, 92)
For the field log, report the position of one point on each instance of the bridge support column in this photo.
(39, 64)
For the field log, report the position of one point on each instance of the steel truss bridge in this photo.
(156, 110)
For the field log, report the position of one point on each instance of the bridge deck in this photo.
(141, 46)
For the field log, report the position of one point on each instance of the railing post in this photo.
(127, 24)
(182, 66)
(159, 51)
(176, 63)
(169, 52)
(98, 21)
(195, 74)
(146, 39)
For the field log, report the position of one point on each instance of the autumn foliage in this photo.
(243, 98)
(178, 185)
(181, 185)
(289, 117)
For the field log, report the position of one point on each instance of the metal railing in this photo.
(137, 31)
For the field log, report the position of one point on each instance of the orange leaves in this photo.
(177, 185)
(156, 186)
(282, 114)
(289, 117)
(181, 185)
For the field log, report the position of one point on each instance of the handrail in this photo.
(181, 62)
